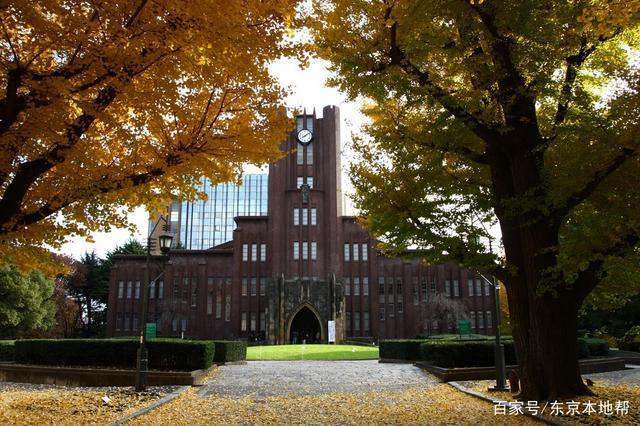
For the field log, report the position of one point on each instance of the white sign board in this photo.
(331, 331)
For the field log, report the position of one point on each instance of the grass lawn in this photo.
(318, 352)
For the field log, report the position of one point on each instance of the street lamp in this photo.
(142, 361)
(499, 347)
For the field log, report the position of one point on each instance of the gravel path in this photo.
(13, 386)
(621, 377)
(272, 378)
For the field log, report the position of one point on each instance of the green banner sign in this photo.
(151, 330)
(464, 327)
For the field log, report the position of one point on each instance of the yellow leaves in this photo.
(607, 17)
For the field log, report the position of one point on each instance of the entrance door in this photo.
(305, 327)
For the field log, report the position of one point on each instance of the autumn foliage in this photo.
(108, 105)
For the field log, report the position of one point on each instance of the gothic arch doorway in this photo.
(305, 327)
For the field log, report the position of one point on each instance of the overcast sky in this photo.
(308, 91)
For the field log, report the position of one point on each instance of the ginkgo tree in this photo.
(108, 105)
(520, 114)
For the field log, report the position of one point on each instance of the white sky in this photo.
(308, 90)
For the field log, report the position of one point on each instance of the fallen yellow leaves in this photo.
(439, 404)
(65, 407)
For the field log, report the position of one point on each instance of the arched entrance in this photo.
(305, 327)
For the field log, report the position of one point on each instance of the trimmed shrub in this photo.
(168, 354)
(594, 347)
(6, 350)
(478, 353)
(408, 349)
(230, 350)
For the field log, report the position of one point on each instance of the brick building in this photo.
(284, 275)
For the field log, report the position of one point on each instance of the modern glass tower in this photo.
(204, 224)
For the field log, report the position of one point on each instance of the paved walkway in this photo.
(268, 378)
(626, 377)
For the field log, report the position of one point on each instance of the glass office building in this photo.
(206, 224)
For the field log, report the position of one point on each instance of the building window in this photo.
(356, 252)
(391, 310)
(129, 289)
(305, 216)
(347, 286)
(194, 292)
(447, 288)
(254, 285)
(472, 318)
(244, 286)
(480, 320)
(487, 289)
(470, 285)
(254, 252)
(416, 292)
(310, 181)
(263, 252)
(296, 250)
(263, 321)
(296, 216)
(127, 321)
(365, 254)
(135, 322)
(160, 289)
(381, 288)
(488, 317)
(219, 301)
(314, 250)
(299, 181)
(176, 289)
(300, 154)
(346, 252)
(245, 252)
(356, 322)
(356, 286)
(366, 322)
(400, 305)
(365, 286)
(253, 321)
(120, 289)
(381, 314)
(314, 216)
(174, 325)
(210, 302)
(423, 288)
(398, 286)
(152, 290)
(183, 325)
(433, 285)
(185, 289)
(348, 322)
(478, 287)
(456, 288)
(305, 250)
(309, 149)
(118, 320)
(243, 322)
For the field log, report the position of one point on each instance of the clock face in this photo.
(305, 136)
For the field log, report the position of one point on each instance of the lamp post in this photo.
(499, 347)
(142, 360)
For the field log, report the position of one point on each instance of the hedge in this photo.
(229, 351)
(408, 349)
(462, 353)
(6, 350)
(590, 346)
(169, 354)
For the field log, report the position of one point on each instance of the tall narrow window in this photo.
(120, 289)
(472, 318)
(488, 317)
(348, 322)
(356, 322)
(254, 252)
(305, 216)
(253, 321)
(227, 303)
(254, 286)
(381, 313)
(314, 250)
(296, 216)
(127, 320)
(210, 302)
(263, 252)
(416, 292)
(219, 300)
(399, 286)
(194, 292)
(487, 289)
(135, 322)
(245, 252)
(152, 290)
(365, 321)
(346, 252)
(129, 289)
(309, 149)
(244, 286)
(299, 181)
(118, 321)
(478, 287)
(365, 252)
(296, 250)
(310, 181)
(447, 288)
(356, 286)
(176, 289)
(305, 250)
(185, 289)
(174, 325)
(480, 320)
(243, 322)
(263, 321)
(314, 216)
(300, 154)
(356, 252)
(263, 286)
(423, 288)
(365, 286)
(160, 289)
(456, 288)
(381, 289)
(470, 285)
(347, 286)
